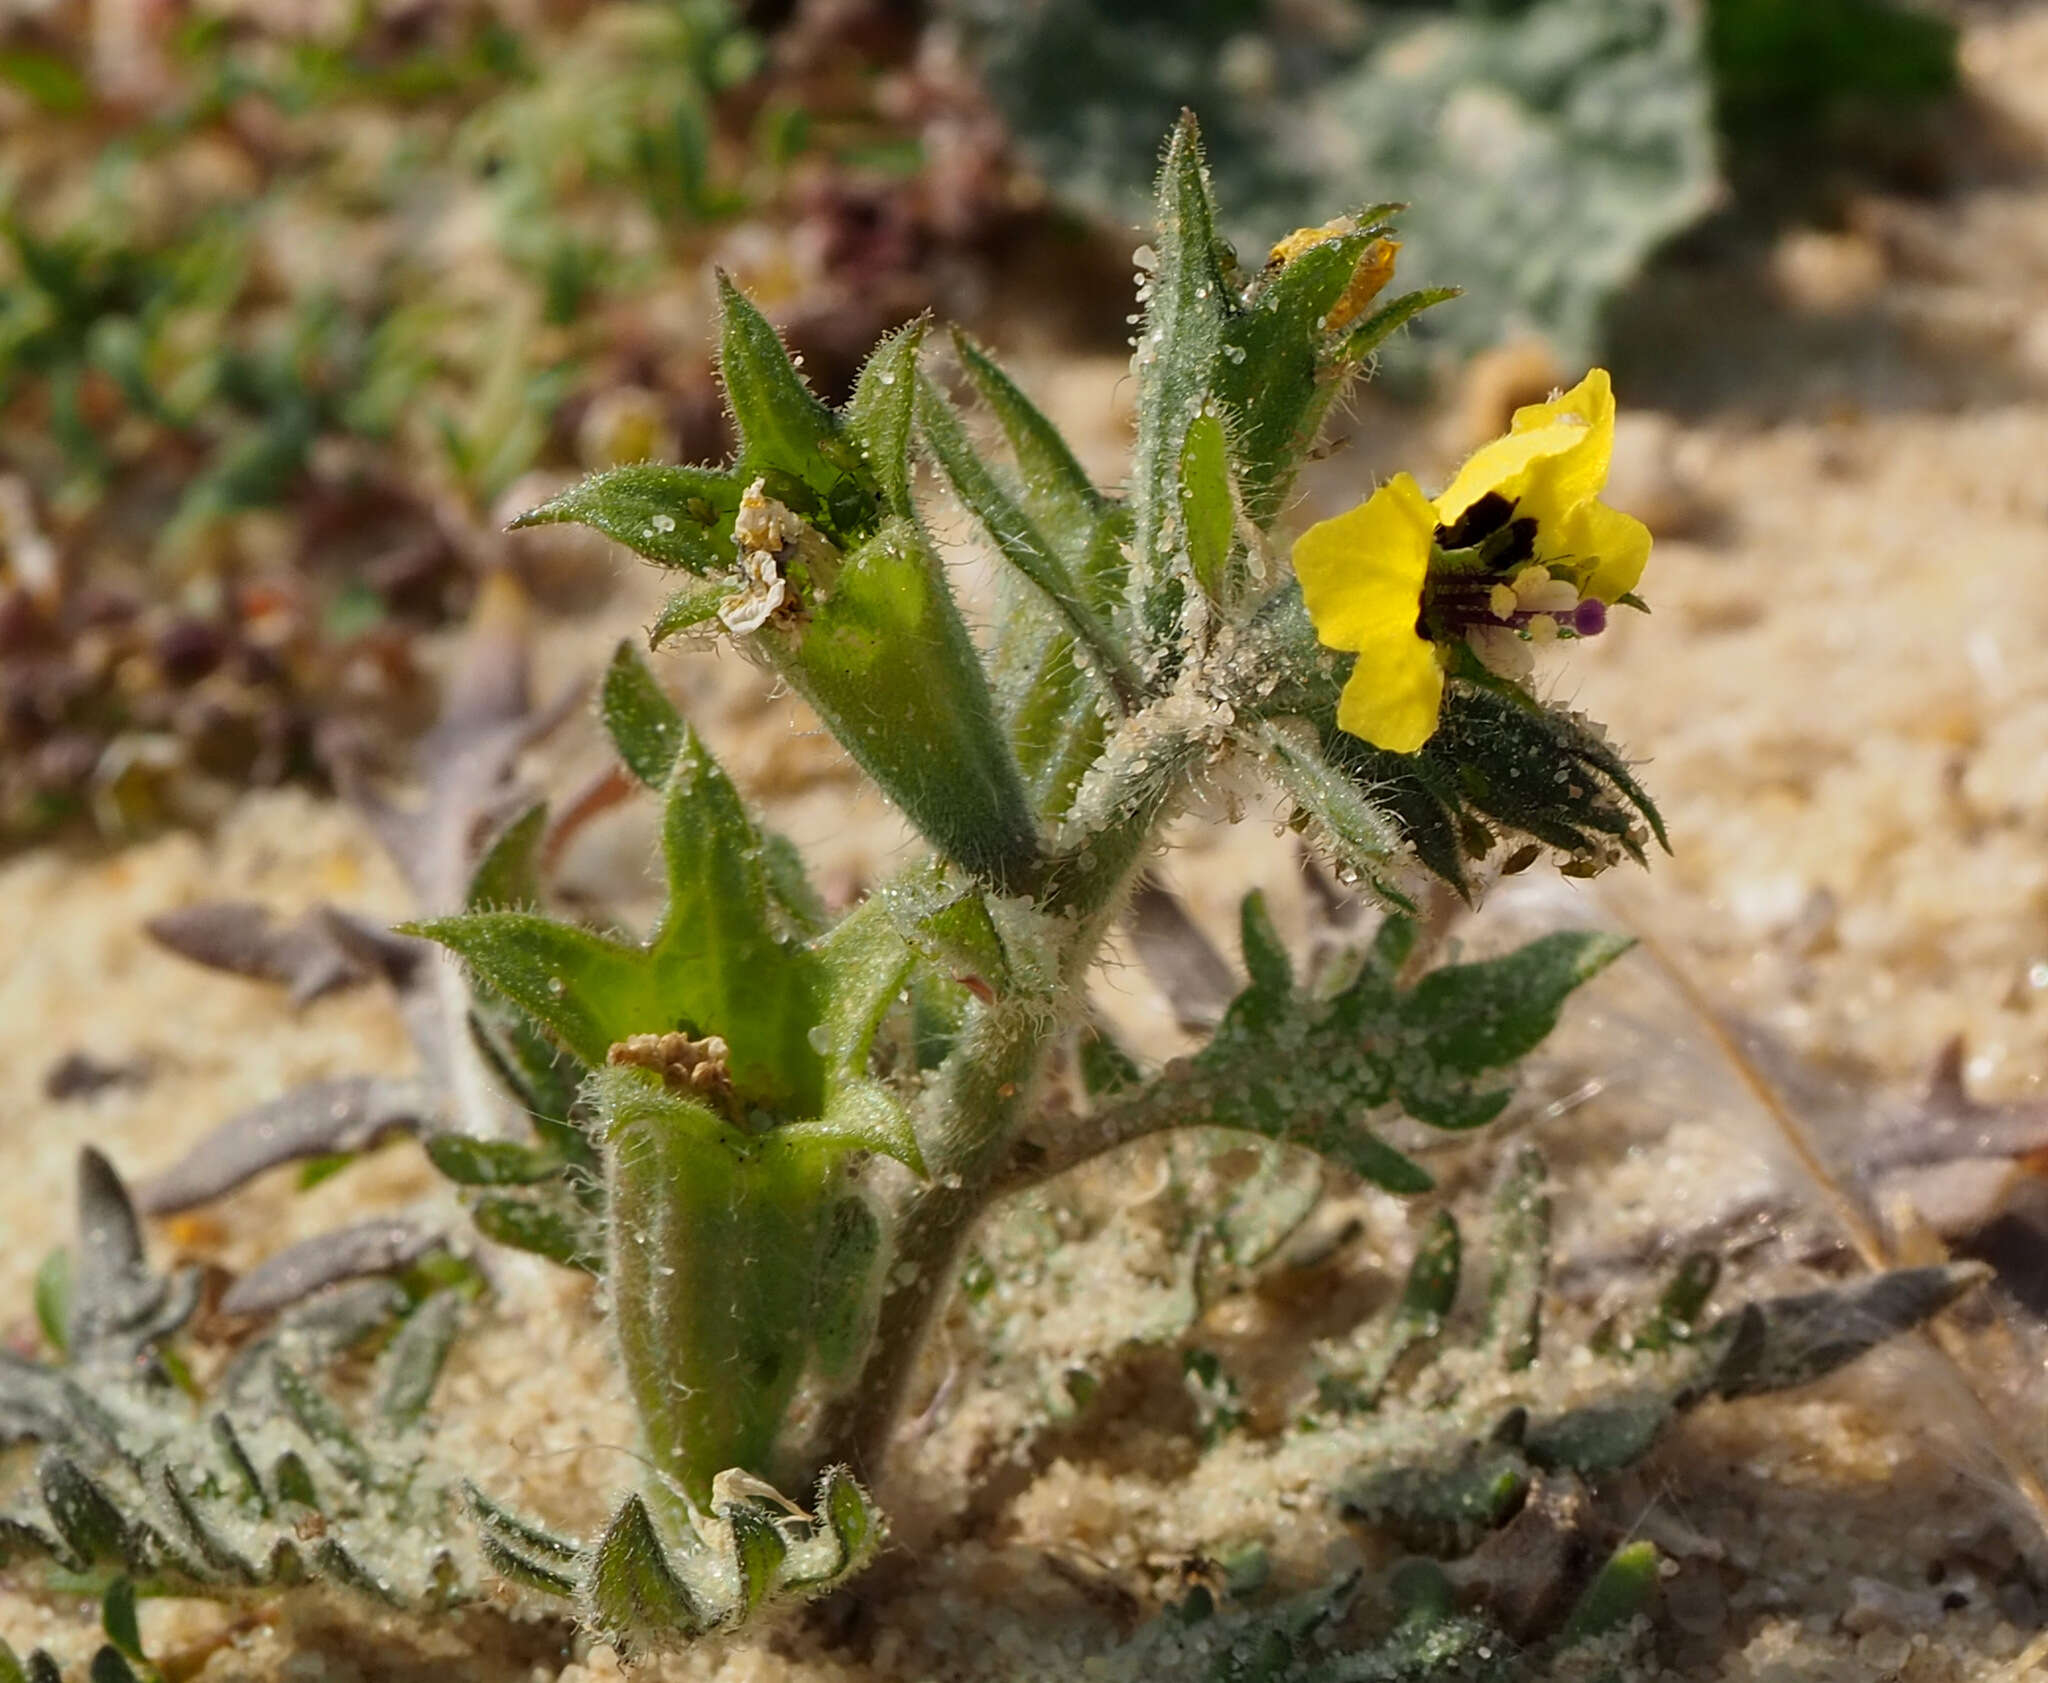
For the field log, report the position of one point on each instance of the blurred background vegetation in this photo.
(301, 299)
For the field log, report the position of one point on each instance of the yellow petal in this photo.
(1394, 694)
(1553, 457)
(1607, 549)
(1361, 573)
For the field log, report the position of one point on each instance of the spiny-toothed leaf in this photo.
(1621, 1591)
(337, 1563)
(555, 1231)
(783, 427)
(1444, 1509)
(1265, 954)
(1396, 313)
(1361, 838)
(322, 1421)
(1106, 1068)
(688, 606)
(1208, 506)
(1054, 488)
(473, 1162)
(508, 874)
(1678, 1309)
(1520, 1244)
(638, 716)
(1802, 1338)
(1178, 343)
(1359, 1368)
(200, 1535)
(1018, 540)
(759, 1550)
(223, 1432)
(880, 416)
(411, 1367)
(507, 1562)
(53, 1300)
(1476, 1017)
(500, 1521)
(85, 1516)
(635, 1597)
(117, 1616)
(674, 516)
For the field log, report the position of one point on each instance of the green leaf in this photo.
(1178, 343)
(469, 1161)
(53, 1300)
(1520, 1243)
(1208, 507)
(11, 1670)
(1054, 489)
(85, 1516)
(784, 430)
(674, 516)
(322, 1421)
(635, 1596)
(1475, 1017)
(110, 1666)
(411, 1366)
(638, 716)
(1390, 317)
(1362, 840)
(1621, 1592)
(117, 1617)
(1358, 1369)
(292, 1481)
(555, 1231)
(1019, 541)
(880, 416)
(508, 874)
(688, 606)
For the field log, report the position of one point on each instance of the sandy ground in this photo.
(1843, 699)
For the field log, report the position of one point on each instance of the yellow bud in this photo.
(1375, 268)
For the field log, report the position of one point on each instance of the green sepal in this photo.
(1396, 313)
(887, 663)
(1357, 833)
(688, 606)
(1208, 503)
(673, 516)
(631, 1591)
(758, 1552)
(1178, 344)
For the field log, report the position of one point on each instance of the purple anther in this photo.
(1589, 618)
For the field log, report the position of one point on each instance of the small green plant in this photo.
(776, 1133)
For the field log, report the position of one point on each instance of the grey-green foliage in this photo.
(1545, 148)
(265, 1480)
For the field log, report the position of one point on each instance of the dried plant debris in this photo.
(470, 840)
(239, 480)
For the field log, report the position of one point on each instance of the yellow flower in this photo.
(1518, 549)
(1374, 269)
